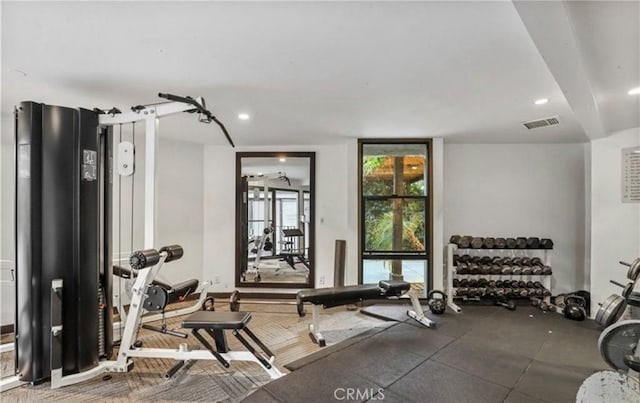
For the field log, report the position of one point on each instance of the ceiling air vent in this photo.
(534, 124)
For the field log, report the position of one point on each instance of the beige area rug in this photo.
(278, 326)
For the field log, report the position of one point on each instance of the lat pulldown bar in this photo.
(201, 109)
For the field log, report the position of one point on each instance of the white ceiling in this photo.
(611, 54)
(308, 73)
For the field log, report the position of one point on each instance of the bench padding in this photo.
(175, 292)
(217, 320)
(180, 291)
(336, 296)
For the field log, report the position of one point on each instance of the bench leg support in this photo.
(252, 350)
(314, 327)
(418, 314)
(213, 351)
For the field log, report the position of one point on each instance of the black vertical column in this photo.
(89, 236)
(60, 229)
(106, 277)
(242, 206)
(28, 344)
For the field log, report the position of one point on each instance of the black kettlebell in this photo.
(506, 303)
(575, 307)
(437, 301)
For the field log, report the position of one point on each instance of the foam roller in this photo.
(144, 258)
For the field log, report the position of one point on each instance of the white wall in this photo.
(615, 226)
(521, 190)
(180, 193)
(437, 260)
(7, 190)
(180, 205)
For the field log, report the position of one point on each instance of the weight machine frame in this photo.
(126, 353)
(150, 114)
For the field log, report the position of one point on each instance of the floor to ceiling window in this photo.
(395, 206)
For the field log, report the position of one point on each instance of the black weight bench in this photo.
(214, 324)
(337, 296)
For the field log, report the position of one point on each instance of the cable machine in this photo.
(64, 167)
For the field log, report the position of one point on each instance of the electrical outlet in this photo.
(321, 280)
(216, 280)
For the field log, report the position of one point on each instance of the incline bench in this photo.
(336, 296)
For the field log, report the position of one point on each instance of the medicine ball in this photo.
(437, 301)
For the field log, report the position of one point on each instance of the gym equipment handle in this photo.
(199, 108)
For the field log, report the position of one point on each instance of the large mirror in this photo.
(275, 219)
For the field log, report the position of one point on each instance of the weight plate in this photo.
(619, 340)
(634, 270)
(208, 304)
(609, 386)
(610, 310)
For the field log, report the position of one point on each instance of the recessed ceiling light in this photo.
(414, 167)
(283, 160)
(259, 173)
(634, 91)
(243, 116)
(541, 101)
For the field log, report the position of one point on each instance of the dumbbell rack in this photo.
(543, 254)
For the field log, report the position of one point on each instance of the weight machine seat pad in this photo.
(217, 320)
(180, 289)
(185, 287)
(336, 296)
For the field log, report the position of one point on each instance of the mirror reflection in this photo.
(275, 219)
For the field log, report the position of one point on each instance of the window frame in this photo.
(425, 255)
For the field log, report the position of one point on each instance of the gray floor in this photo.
(485, 354)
